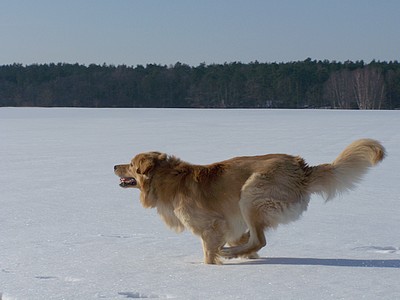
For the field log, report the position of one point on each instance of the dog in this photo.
(230, 204)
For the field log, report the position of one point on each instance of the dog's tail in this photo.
(347, 170)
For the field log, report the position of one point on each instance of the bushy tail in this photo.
(347, 169)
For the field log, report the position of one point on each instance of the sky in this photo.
(133, 32)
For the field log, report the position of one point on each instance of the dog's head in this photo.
(139, 171)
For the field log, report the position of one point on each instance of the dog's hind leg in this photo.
(254, 208)
(256, 237)
(244, 239)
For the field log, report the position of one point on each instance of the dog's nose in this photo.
(115, 168)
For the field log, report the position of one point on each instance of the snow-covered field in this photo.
(67, 231)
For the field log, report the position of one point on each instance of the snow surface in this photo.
(67, 231)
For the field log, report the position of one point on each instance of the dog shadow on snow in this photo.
(331, 262)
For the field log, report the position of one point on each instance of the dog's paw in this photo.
(253, 255)
(211, 261)
(226, 252)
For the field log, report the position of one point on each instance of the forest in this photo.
(301, 84)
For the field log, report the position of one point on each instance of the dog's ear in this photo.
(148, 161)
(144, 165)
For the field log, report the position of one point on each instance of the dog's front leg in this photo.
(211, 253)
(210, 226)
(212, 240)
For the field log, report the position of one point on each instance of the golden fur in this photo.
(234, 201)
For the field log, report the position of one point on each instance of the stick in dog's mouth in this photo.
(127, 182)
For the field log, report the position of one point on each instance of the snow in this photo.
(67, 231)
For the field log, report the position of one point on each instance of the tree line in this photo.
(301, 84)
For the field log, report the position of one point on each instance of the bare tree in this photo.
(362, 87)
(368, 87)
(338, 89)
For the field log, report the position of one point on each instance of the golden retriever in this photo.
(234, 201)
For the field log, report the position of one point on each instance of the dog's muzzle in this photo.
(124, 181)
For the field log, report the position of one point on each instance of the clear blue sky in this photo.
(136, 32)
